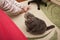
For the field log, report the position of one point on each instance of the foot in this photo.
(38, 8)
(45, 5)
(28, 3)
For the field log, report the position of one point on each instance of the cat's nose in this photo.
(26, 15)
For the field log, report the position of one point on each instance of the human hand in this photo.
(25, 9)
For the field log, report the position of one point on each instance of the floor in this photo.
(56, 2)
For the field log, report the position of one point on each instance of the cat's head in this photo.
(29, 17)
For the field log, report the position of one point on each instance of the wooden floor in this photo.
(20, 0)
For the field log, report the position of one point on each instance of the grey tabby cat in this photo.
(35, 25)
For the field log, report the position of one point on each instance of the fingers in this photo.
(25, 9)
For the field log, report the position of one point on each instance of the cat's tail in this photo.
(50, 27)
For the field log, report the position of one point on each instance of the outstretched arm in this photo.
(11, 8)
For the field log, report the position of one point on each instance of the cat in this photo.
(38, 2)
(35, 25)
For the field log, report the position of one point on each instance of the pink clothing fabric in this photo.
(9, 30)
